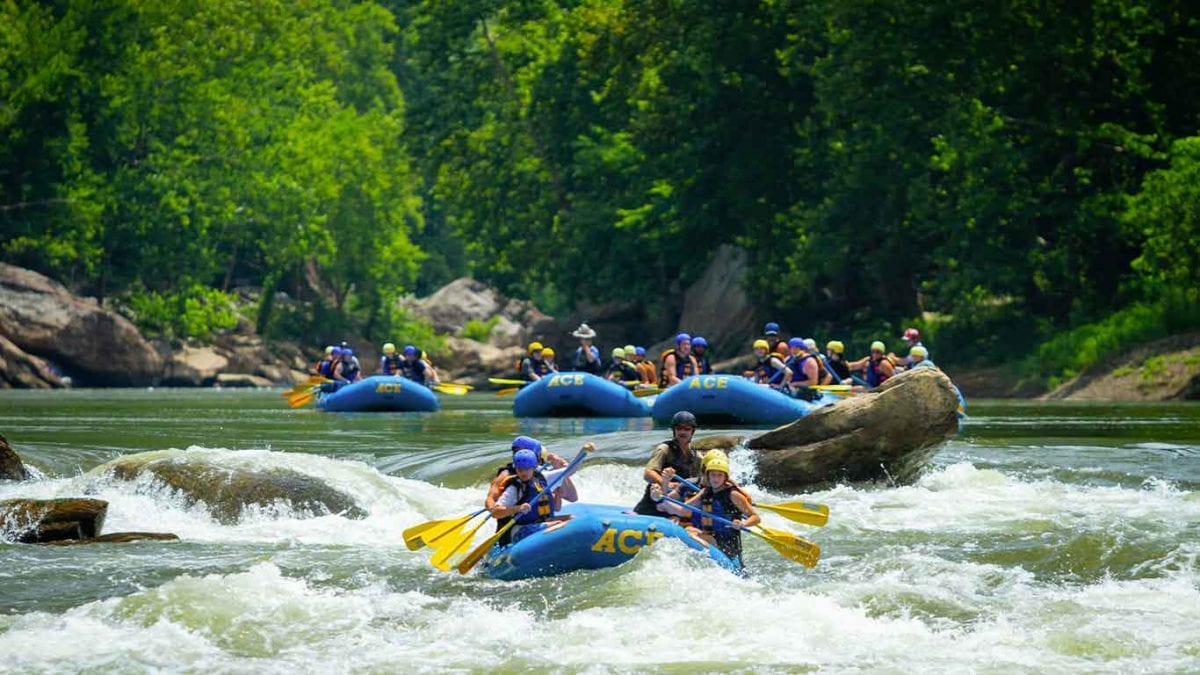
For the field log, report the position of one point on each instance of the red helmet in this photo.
(912, 334)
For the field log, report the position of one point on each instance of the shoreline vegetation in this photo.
(1021, 181)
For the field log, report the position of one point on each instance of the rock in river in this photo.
(886, 433)
(11, 467)
(227, 492)
(31, 521)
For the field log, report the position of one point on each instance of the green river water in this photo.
(1047, 537)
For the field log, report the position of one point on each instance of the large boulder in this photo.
(18, 369)
(887, 433)
(11, 466)
(194, 366)
(466, 299)
(717, 305)
(228, 492)
(36, 521)
(464, 360)
(93, 345)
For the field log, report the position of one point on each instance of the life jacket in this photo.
(580, 363)
(628, 371)
(705, 368)
(685, 467)
(648, 371)
(325, 367)
(349, 370)
(391, 365)
(537, 366)
(796, 363)
(841, 367)
(411, 371)
(764, 372)
(543, 510)
(683, 367)
(720, 504)
(872, 374)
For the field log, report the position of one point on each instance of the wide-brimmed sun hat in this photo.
(584, 332)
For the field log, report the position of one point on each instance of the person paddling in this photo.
(324, 367)
(912, 338)
(645, 366)
(390, 363)
(412, 367)
(545, 458)
(678, 363)
(520, 497)
(806, 371)
(835, 359)
(533, 366)
(548, 360)
(720, 497)
(670, 458)
(876, 367)
(346, 369)
(700, 351)
(770, 368)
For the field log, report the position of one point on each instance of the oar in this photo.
(451, 389)
(452, 547)
(315, 379)
(791, 546)
(830, 387)
(474, 557)
(504, 380)
(508, 392)
(643, 393)
(806, 513)
(424, 534)
(302, 399)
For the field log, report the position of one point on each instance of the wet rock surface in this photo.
(33, 521)
(11, 466)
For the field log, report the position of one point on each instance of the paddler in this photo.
(919, 358)
(546, 459)
(912, 339)
(806, 371)
(548, 360)
(518, 493)
(324, 367)
(721, 497)
(587, 356)
(533, 366)
(645, 366)
(412, 367)
(700, 351)
(620, 369)
(391, 362)
(677, 363)
(669, 459)
(770, 368)
(876, 367)
(773, 338)
(835, 359)
(346, 368)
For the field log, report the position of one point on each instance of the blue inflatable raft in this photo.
(379, 393)
(577, 395)
(729, 399)
(595, 537)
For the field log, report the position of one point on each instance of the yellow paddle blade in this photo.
(424, 534)
(801, 512)
(643, 393)
(412, 535)
(460, 385)
(504, 380)
(830, 387)
(452, 546)
(301, 399)
(508, 392)
(447, 528)
(793, 547)
(475, 556)
(451, 389)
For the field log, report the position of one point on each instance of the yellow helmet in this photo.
(836, 347)
(919, 351)
(547, 352)
(878, 346)
(535, 346)
(715, 460)
(761, 344)
(329, 350)
(629, 350)
(618, 353)
(389, 348)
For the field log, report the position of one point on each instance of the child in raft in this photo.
(721, 497)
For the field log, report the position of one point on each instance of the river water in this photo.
(1046, 538)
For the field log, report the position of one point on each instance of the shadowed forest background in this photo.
(1021, 180)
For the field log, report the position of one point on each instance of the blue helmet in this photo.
(771, 329)
(337, 351)
(683, 337)
(796, 342)
(347, 352)
(525, 459)
(526, 443)
(409, 350)
(641, 351)
(699, 342)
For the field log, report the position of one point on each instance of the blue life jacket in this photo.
(720, 504)
(580, 363)
(767, 372)
(705, 366)
(325, 367)
(526, 491)
(413, 370)
(349, 370)
(391, 365)
(872, 375)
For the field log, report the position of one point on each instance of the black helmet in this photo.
(683, 418)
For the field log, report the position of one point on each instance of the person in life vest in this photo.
(835, 359)
(620, 369)
(324, 367)
(671, 458)
(645, 366)
(912, 338)
(770, 368)
(586, 358)
(412, 367)
(546, 459)
(700, 351)
(774, 339)
(533, 366)
(431, 374)
(806, 369)
(522, 497)
(346, 368)
(721, 497)
(390, 362)
(918, 357)
(827, 374)
(876, 367)
(548, 360)
(346, 348)
(677, 363)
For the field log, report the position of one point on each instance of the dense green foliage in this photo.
(996, 172)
